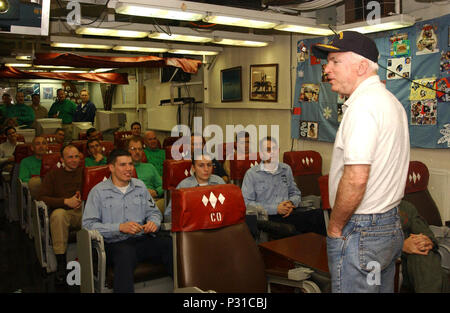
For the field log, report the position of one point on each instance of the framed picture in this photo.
(231, 84)
(28, 90)
(264, 82)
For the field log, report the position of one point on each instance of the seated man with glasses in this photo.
(7, 148)
(95, 157)
(146, 171)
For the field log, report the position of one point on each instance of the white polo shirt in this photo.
(373, 130)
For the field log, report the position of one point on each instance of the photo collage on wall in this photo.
(309, 129)
(399, 63)
(423, 102)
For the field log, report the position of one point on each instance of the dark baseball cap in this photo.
(348, 41)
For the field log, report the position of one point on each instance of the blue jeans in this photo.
(363, 258)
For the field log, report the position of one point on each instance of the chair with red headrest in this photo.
(107, 147)
(238, 168)
(226, 151)
(54, 147)
(120, 139)
(307, 168)
(174, 171)
(49, 162)
(81, 146)
(93, 175)
(22, 151)
(51, 138)
(416, 192)
(214, 249)
(169, 141)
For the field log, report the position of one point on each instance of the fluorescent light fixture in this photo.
(18, 64)
(386, 23)
(102, 70)
(159, 12)
(69, 71)
(179, 37)
(140, 49)
(244, 43)
(110, 32)
(53, 66)
(193, 52)
(23, 57)
(81, 43)
(304, 29)
(239, 21)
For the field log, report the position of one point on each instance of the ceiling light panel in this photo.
(180, 37)
(94, 31)
(140, 49)
(159, 12)
(193, 52)
(239, 21)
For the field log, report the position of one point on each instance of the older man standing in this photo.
(38, 109)
(85, 111)
(368, 169)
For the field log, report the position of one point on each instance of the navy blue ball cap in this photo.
(348, 41)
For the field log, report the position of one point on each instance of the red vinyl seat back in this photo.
(214, 248)
(49, 162)
(169, 141)
(170, 154)
(81, 146)
(324, 195)
(120, 139)
(93, 175)
(238, 168)
(174, 172)
(306, 168)
(107, 147)
(207, 207)
(51, 138)
(54, 147)
(418, 176)
(22, 151)
(417, 193)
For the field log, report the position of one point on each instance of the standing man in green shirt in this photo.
(64, 109)
(22, 113)
(154, 155)
(95, 157)
(31, 166)
(146, 172)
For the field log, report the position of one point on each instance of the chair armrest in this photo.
(166, 226)
(90, 246)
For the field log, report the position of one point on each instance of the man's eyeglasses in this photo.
(136, 149)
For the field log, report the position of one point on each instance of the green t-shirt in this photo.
(156, 157)
(23, 112)
(29, 166)
(64, 110)
(90, 161)
(149, 175)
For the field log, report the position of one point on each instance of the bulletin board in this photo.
(420, 53)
